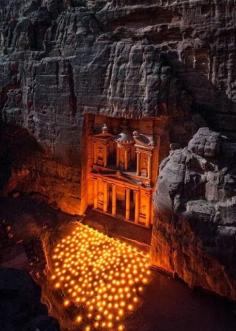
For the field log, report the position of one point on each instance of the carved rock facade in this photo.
(63, 60)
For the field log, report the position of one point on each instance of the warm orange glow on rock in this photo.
(101, 276)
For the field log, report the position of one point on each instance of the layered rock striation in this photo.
(63, 59)
(194, 235)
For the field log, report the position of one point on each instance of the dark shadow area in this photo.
(210, 102)
(16, 145)
(169, 305)
(119, 228)
(30, 216)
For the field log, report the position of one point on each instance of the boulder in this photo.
(194, 233)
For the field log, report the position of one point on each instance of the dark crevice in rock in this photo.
(73, 99)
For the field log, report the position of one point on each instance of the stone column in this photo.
(126, 159)
(113, 200)
(105, 156)
(148, 213)
(138, 164)
(94, 153)
(95, 193)
(105, 202)
(149, 165)
(127, 204)
(117, 157)
(137, 207)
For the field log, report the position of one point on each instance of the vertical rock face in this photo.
(109, 57)
(209, 47)
(63, 59)
(194, 234)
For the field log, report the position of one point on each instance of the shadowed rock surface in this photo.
(21, 309)
(175, 59)
(194, 234)
(63, 59)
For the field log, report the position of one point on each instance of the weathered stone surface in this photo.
(61, 59)
(111, 58)
(194, 234)
(21, 309)
(25, 167)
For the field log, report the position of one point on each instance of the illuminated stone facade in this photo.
(122, 164)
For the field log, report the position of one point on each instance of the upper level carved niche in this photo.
(128, 152)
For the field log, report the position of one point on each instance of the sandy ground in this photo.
(168, 304)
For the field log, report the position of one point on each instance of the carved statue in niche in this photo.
(144, 167)
(100, 159)
(143, 211)
(122, 158)
(125, 144)
(100, 199)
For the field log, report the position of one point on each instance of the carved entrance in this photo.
(122, 168)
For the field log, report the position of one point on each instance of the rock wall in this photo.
(62, 59)
(194, 235)
(26, 167)
(208, 47)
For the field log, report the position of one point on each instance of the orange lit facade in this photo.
(121, 165)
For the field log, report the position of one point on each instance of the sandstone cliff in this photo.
(194, 234)
(62, 59)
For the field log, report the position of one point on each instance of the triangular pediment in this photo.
(119, 176)
(144, 140)
(103, 135)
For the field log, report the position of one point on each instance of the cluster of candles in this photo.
(101, 276)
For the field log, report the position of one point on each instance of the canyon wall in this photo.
(194, 235)
(63, 59)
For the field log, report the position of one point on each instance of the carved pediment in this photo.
(143, 140)
(104, 134)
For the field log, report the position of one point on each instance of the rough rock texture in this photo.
(62, 59)
(194, 234)
(24, 167)
(21, 309)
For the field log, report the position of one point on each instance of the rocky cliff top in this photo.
(119, 58)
